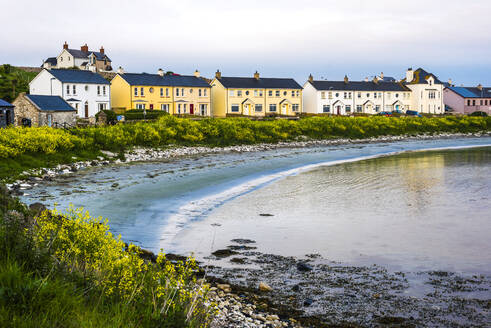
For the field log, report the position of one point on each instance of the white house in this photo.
(84, 59)
(86, 91)
(419, 91)
(427, 91)
(347, 97)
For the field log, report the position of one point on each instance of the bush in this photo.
(110, 115)
(137, 114)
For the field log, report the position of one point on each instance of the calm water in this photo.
(412, 211)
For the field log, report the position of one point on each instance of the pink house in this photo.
(467, 100)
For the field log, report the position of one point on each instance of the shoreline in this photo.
(139, 155)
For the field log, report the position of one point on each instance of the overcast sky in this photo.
(279, 38)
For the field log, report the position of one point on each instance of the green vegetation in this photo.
(22, 148)
(67, 270)
(137, 114)
(13, 81)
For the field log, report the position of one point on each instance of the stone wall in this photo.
(57, 118)
(25, 109)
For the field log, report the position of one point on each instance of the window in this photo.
(473, 103)
(359, 108)
(380, 94)
(323, 95)
(293, 93)
(235, 108)
(204, 94)
(182, 92)
(74, 89)
(260, 93)
(259, 108)
(295, 107)
(481, 102)
(136, 92)
(185, 105)
(167, 92)
(86, 88)
(164, 107)
(349, 95)
(375, 95)
(431, 95)
(98, 90)
(359, 94)
(368, 95)
(190, 91)
(329, 95)
(102, 106)
(67, 89)
(140, 106)
(203, 109)
(377, 108)
(141, 92)
(298, 93)
(270, 93)
(255, 93)
(161, 92)
(178, 108)
(337, 94)
(272, 107)
(326, 108)
(150, 90)
(177, 93)
(345, 95)
(239, 93)
(277, 93)
(199, 92)
(397, 95)
(348, 108)
(104, 90)
(285, 93)
(247, 92)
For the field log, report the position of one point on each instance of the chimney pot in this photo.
(311, 78)
(84, 48)
(120, 70)
(450, 82)
(218, 74)
(382, 75)
(366, 79)
(160, 72)
(65, 45)
(197, 73)
(479, 87)
(375, 80)
(256, 75)
(346, 80)
(102, 50)
(409, 75)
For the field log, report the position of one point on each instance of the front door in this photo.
(151, 106)
(86, 109)
(8, 117)
(50, 120)
(246, 110)
(191, 109)
(338, 110)
(283, 109)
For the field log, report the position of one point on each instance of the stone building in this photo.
(43, 111)
(6, 113)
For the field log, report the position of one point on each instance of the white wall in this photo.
(309, 95)
(45, 84)
(421, 101)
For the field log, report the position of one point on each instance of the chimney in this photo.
(160, 72)
(375, 80)
(409, 75)
(366, 79)
(102, 50)
(218, 74)
(65, 46)
(450, 82)
(382, 75)
(84, 48)
(120, 70)
(197, 73)
(256, 75)
(346, 80)
(311, 78)
(479, 87)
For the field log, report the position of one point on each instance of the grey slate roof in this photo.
(166, 80)
(50, 103)
(421, 76)
(51, 60)
(78, 76)
(82, 54)
(472, 92)
(3, 103)
(261, 83)
(359, 86)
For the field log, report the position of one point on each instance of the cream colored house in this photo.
(427, 91)
(84, 59)
(255, 96)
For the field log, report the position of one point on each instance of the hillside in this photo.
(13, 81)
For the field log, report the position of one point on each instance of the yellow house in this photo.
(255, 96)
(175, 94)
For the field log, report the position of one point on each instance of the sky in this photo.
(278, 38)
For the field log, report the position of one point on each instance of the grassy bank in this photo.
(44, 146)
(67, 270)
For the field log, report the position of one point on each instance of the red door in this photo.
(151, 106)
(191, 109)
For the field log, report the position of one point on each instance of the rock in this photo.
(115, 185)
(264, 287)
(243, 241)
(303, 267)
(265, 214)
(108, 153)
(37, 208)
(224, 253)
(296, 288)
(238, 260)
(308, 302)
